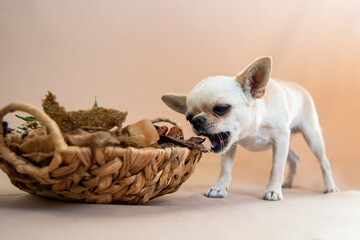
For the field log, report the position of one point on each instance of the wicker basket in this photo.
(97, 175)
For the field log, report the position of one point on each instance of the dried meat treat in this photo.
(36, 141)
(161, 130)
(197, 140)
(68, 122)
(176, 133)
(143, 131)
(96, 139)
(192, 143)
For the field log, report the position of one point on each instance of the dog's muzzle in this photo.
(219, 141)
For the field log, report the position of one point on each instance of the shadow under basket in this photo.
(97, 175)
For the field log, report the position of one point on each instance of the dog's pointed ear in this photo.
(176, 102)
(255, 77)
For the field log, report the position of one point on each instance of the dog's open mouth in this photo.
(218, 141)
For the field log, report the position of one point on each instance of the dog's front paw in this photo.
(216, 192)
(331, 189)
(273, 196)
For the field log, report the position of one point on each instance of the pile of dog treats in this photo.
(96, 127)
(141, 134)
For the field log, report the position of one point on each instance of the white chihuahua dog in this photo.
(258, 113)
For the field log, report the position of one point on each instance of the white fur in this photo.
(260, 123)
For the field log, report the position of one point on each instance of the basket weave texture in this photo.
(97, 175)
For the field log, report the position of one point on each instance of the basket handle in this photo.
(50, 124)
(165, 119)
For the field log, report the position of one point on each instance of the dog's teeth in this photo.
(211, 146)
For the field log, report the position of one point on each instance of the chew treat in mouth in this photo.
(174, 137)
(218, 141)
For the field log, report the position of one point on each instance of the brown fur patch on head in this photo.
(206, 109)
(212, 117)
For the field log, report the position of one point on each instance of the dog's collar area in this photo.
(218, 140)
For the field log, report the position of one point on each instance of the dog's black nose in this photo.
(198, 122)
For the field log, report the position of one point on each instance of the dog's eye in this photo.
(221, 109)
(189, 117)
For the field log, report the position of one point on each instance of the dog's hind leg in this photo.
(311, 131)
(293, 160)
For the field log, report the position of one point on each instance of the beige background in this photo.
(129, 53)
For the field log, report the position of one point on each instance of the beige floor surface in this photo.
(186, 214)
